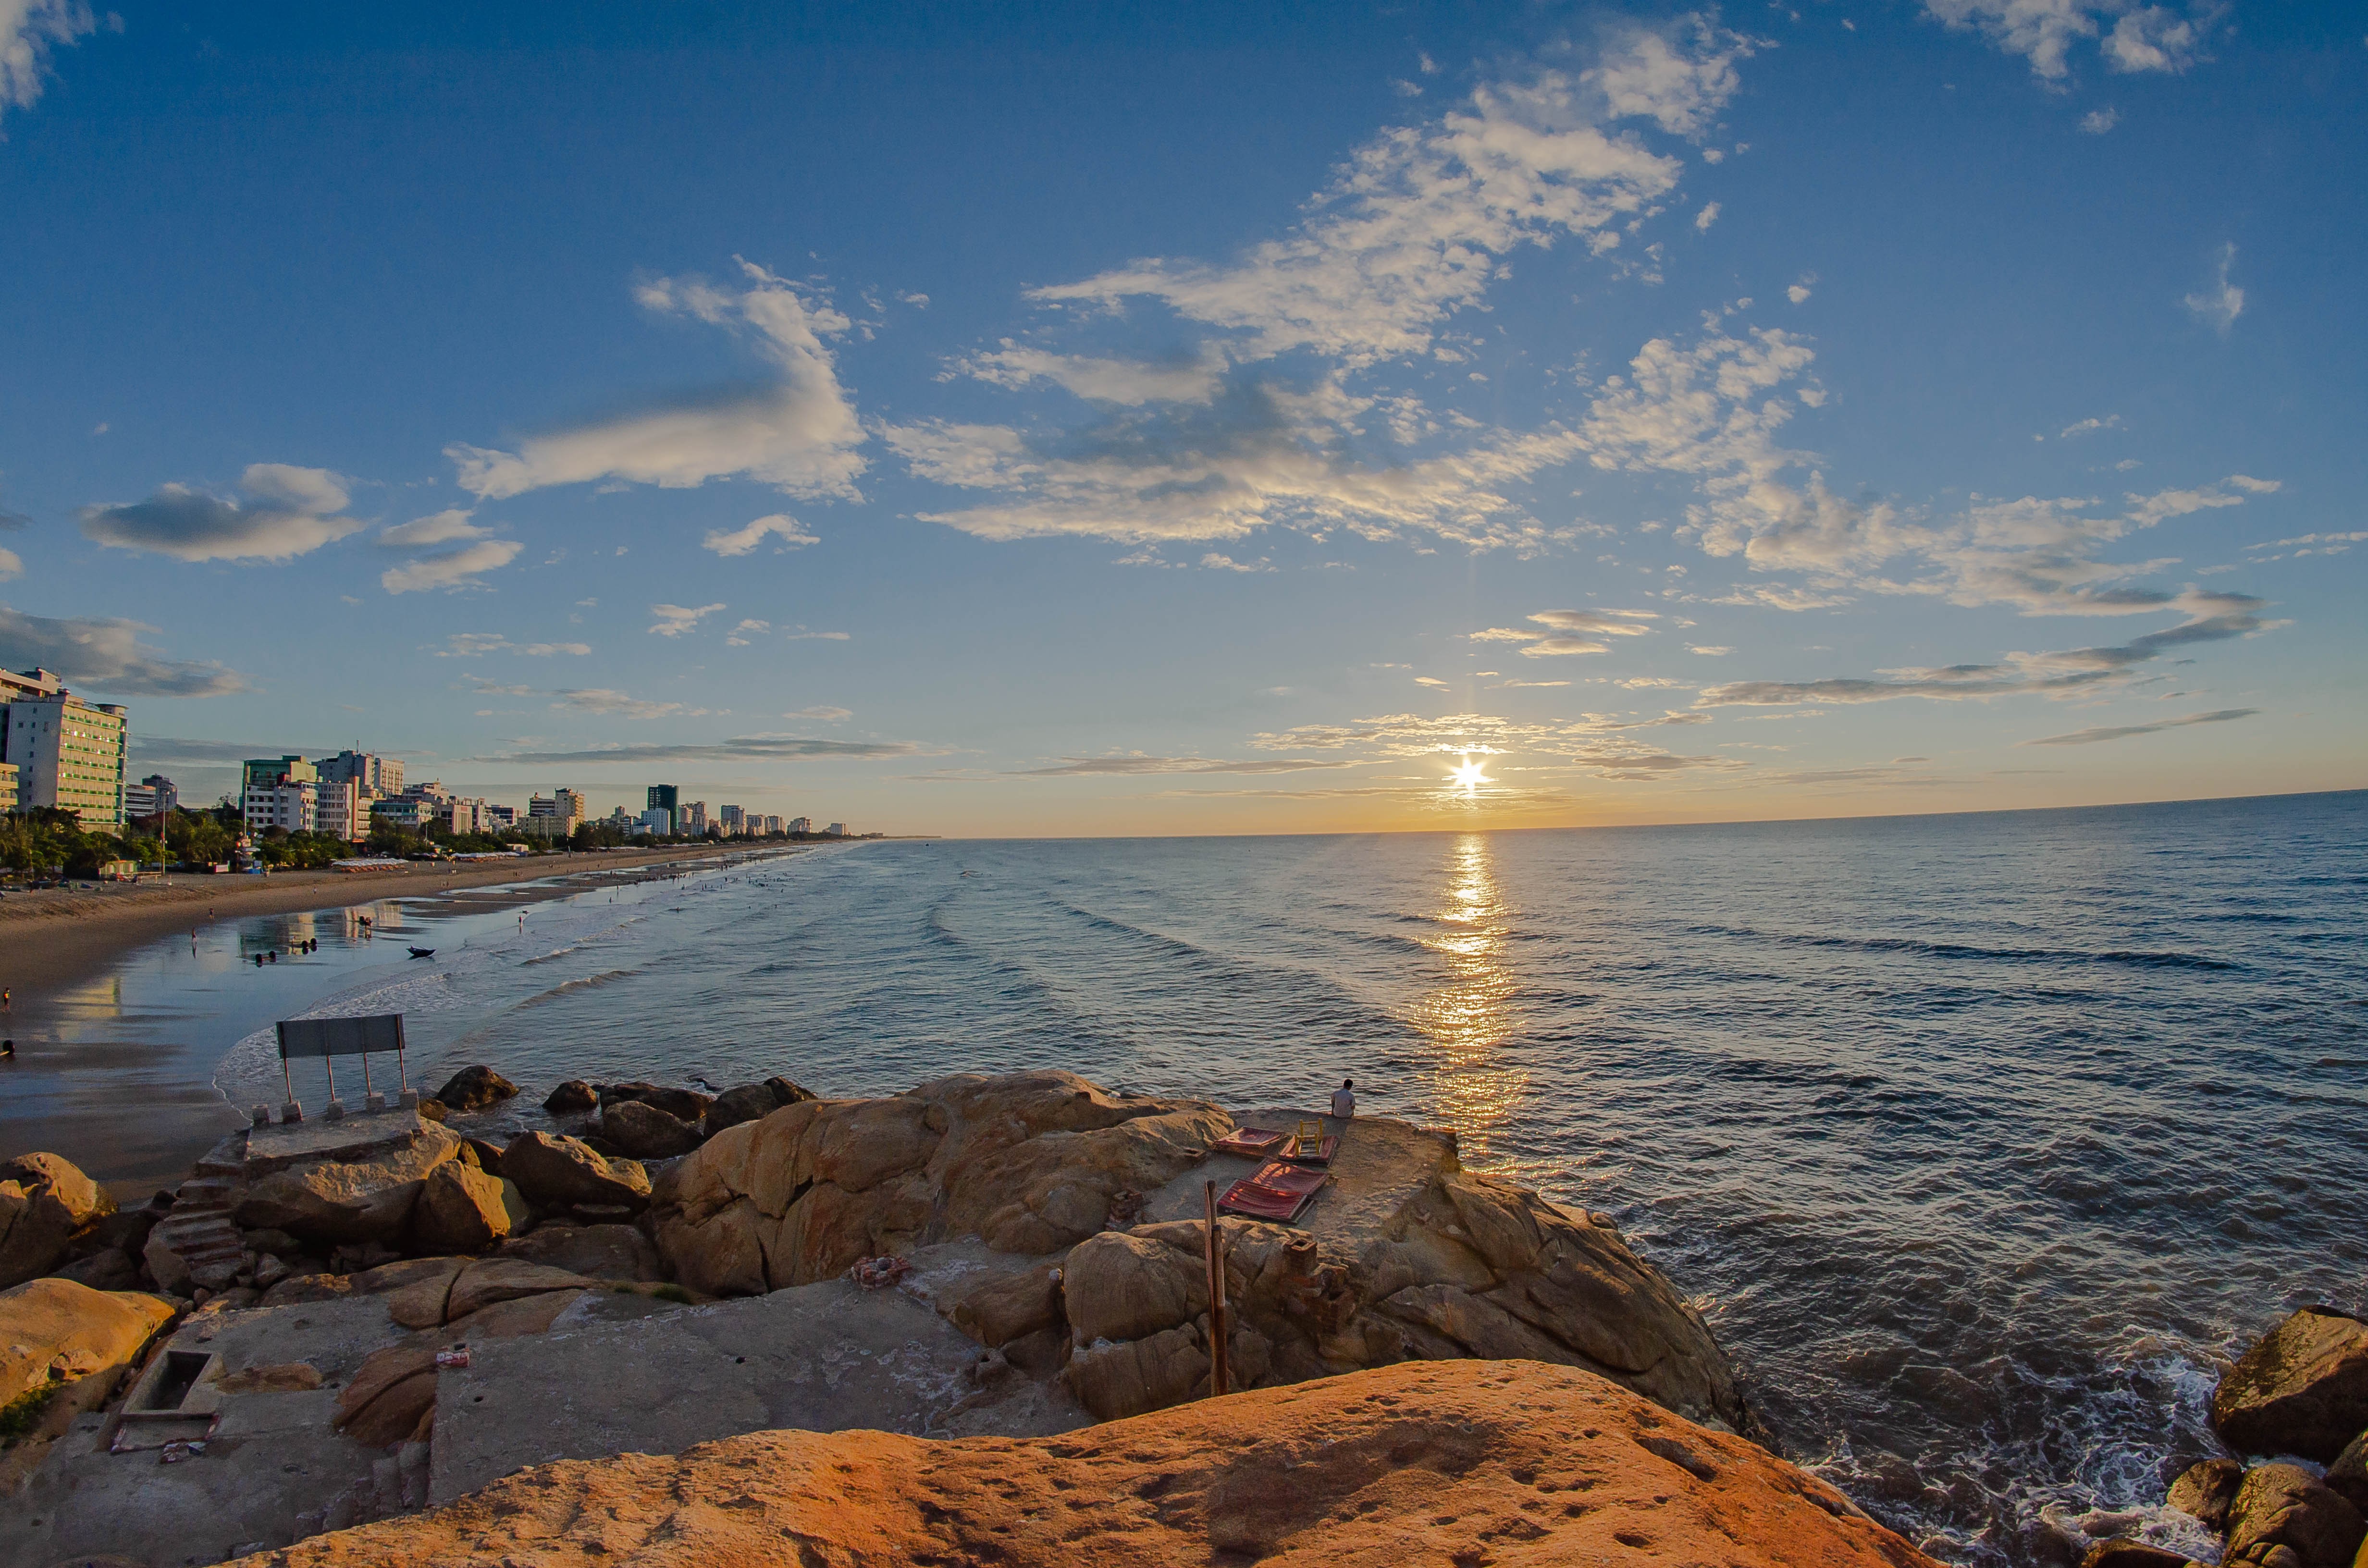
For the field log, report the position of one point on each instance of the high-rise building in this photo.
(501, 818)
(835, 830)
(68, 754)
(154, 796)
(663, 798)
(732, 820)
(772, 826)
(291, 805)
(555, 815)
(7, 787)
(463, 814)
(266, 771)
(377, 775)
(341, 807)
(693, 817)
(801, 824)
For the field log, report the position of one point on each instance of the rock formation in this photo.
(564, 1172)
(54, 1331)
(44, 1201)
(365, 1199)
(2303, 1390)
(644, 1132)
(474, 1088)
(750, 1101)
(1463, 1462)
(1427, 1263)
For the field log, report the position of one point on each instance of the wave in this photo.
(1921, 948)
(569, 988)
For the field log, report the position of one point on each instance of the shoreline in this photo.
(54, 937)
(56, 947)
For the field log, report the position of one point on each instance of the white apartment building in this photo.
(836, 830)
(291, 805)
(376, 775)
(694, 818)
(7, 787)
(463, 815)
(342, 807)
(733, 820)
(67, 753)
(152, 796)
(801, 824)
(772, 825)
(410, 813)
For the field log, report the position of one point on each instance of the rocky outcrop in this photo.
(2348, 1474)
(596, 1252)
(334, 1201)
(642, 1131)
(2303, 1390)
(750, 1101)
(683, 1105)
(474, 1088)
(464, 1208)
(44, 1201)
(555, 1172)
(572, 1096)
(493, 1279)
(2282, 1518)
(1422, 1262)
(2205, 1490)
(1461, 1462)
(1027, 1162)
(54, 1332)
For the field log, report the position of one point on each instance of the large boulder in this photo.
(1003, 1307)
(2206, 1488)
(750, 1101)
(556, 1172)
(572, 1096)
(683, 1105)
(54, 1331)
(1462, 1462)
(389, 1396)
(337, 1201)
(596, 1252)
(44, 1201)
(2303, 1390)
(644, 1132)
(2349, 1473)
(474, 1088)
(493, 1279)
(2279, 1506)
(462, 1209)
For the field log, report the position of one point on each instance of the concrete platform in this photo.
(826, 1357)
(361, 1136)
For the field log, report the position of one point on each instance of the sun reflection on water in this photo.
(1470, 1015)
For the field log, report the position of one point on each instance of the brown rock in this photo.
(1124, 1285)
(461, 1209)
(2347, 1476)
(433, 1109)
(501, 1279)
(2280, 1505)
(388, 1395)
(54, 1331)
(474, 1088)
(556, 1172)
(508, 1320)
(725, 1256)
(1462, 1462)
(334, 1202)
(420, 1304)
(1003, 1307)
(112, 1269)
(1137, 1375)
(645, 1133)
(683, 1105)
(2206, 1488)
(283, 1377)
(597, 1252)
(751, 1101)
(572, 1096)
(44, 1199)
(2131, 1554)
(2303, 1390)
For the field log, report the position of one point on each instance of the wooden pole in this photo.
(1216, 1264)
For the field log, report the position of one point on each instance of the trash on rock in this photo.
(879, 1273)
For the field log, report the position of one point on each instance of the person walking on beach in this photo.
(1344, 1100)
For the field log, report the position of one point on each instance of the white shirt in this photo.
(1344, 1104)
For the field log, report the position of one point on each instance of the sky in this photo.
(1089, 419)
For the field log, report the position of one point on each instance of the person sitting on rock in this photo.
(1344, 1100)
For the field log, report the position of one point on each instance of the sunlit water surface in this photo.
(1977, 1138)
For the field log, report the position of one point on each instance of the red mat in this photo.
(1277, 1192)
(1250, 1142)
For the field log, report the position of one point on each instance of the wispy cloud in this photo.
(107, 656)
(799, 434)
(1570, 632)
(31, 32)
(287, 512)
(2132, 36)
(741, 541)
(617, 704)
(673, 620)
(453, 570)
(469, 644)
(744, 748)
(2121, 731)
(2219, 305)
(1128, 382)
(1136, 764)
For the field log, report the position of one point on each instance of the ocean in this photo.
(1980, 1140)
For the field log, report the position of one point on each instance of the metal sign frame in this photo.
(329, 1038)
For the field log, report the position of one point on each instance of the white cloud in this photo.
(617, 704)
(1570, 632)
(1128, 382)
(2109, 421)
(11, 565)
(798, 435)
(107, 654)
(468, 645)
(1680, 87)
(2219, 306)
(2142, 38)
(288, 512)
(741, 541)
(744, 634)
(1705, 218)
(30, 31)
(1798, 293)
(1593, 743)
(455, 569)
(675, 620)
(1709, 651)
(802, 634)
(825, 712)
(439, 527)
(2096, 121)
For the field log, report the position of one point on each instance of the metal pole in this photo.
(366, 1083)
(330, 1063)
(402, 1069)
(1216, 1263)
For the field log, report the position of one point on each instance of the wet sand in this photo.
(136, 1116)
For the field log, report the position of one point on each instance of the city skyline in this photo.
(1208, 424)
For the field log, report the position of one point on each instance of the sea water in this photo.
(1979, 1140)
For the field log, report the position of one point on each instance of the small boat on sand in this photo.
(423, 952)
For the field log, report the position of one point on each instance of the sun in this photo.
(1469, 774)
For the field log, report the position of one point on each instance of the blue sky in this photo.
(1078, 420)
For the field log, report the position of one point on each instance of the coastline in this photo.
(135, 1119)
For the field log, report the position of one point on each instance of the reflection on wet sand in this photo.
(1468, 1017)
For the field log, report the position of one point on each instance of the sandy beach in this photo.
(136, 1117)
